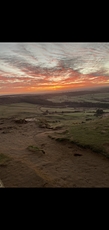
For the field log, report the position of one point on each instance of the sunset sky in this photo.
(46, 67)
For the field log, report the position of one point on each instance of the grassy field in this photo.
(98, 97)
(84, 129)
(19, 109)
(92, 134)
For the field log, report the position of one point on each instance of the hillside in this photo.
(89, 98)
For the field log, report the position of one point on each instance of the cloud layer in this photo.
(40, 67)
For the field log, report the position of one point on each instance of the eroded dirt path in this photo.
(62, 165)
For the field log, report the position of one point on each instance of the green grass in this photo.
(4, 159)
(93, 135)
(19, 109)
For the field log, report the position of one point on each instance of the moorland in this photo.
(55, 139)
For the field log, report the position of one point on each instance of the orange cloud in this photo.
(41, 80)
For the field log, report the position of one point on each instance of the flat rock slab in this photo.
(30, 119)
(1, 184)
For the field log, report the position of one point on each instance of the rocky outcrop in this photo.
(20, 121)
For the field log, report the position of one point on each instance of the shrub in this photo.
(99, 112)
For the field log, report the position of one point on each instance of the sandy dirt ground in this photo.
(62, 165)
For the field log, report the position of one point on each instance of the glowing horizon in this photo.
(47, 67)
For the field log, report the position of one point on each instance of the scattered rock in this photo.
(9, 127)
(103, 131)
(1, 184)
(43, 151)
(77, 154)
(57, 127)
(20, 121)
(43, 144)
(35, 149)
(30, 119)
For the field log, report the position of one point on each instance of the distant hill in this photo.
(41, 99)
